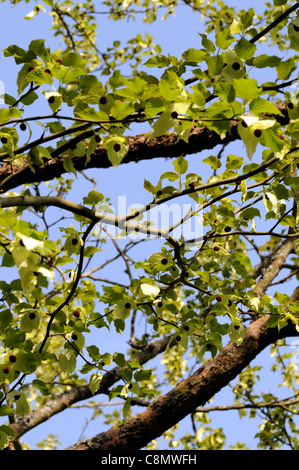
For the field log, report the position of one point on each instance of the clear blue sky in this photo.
(175, 35)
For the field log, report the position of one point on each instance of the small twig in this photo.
(74, 286)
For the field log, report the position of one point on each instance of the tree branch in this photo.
(77, 394)
(190, 393)
(140, 148)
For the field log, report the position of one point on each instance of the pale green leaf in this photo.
(150, 290)
(67, 361)
(180, 165)
(245, 49)
(95, 381)
(117, 148)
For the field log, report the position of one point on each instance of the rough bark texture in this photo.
(140, 148)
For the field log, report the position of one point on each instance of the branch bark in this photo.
(140, 148)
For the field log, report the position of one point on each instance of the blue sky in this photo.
(175, 36)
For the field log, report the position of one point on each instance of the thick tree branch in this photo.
(140, 148)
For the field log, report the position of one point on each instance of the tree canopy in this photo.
(143, 314)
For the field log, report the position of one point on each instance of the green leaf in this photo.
(224, 38)
(158, 61)
(67, 361)
(162, 125)
(72, 59)
(8, 260)
(72, 244)
(10, 113)
(213, 161)
(117, 80)
(94, 382)
(194, 55)
(149, 186)
(207, 44)
(259, 106)
(93, 197)
(37, 46)
(91, 114)
(292, 181)
(117, 148)
(41, 386)
(121, 311)
(225, 91)
(93, 352)
(170, 175)
(126, 408)
(236, 27)
(233, 162)
(272, 321)
(264, 60)
(136, 85)
(236, 332)
(22, 406)
(150, 290)
(68, 165)
(159, 261)
(142, 374)
(281, 191)
(5, 410)
(29, 322)
(54, 100)
(171, 85)
(5, 433)
(247, 17)
(293, 33)
(121, 109)
(91, 148)
(154, 106)
(119, 359)
(215, 65)
(27, 361)
(39, 77)
(29, 98)
(245, 49)
(19, 54)
(180, 165)
(250, 213)
(285, 68)
(246, 88)
(55, 127)
(5, 318)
